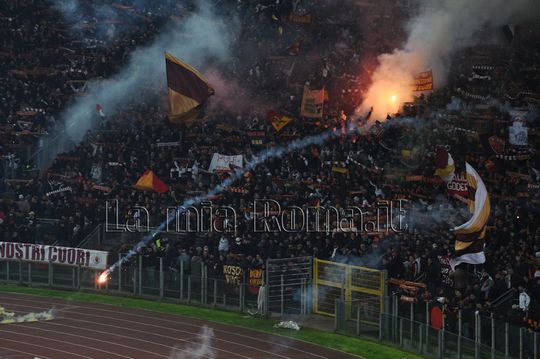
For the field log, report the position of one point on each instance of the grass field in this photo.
(362, 347)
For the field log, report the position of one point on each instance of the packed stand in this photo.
(391, 161)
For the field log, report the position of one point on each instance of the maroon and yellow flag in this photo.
(188, 90)
(150, 182)
(278, 120)
(469, 245)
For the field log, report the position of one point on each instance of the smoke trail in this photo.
(202, 349)
(198, 39)
(256, 160)
(441, 28)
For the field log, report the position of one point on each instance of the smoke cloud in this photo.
(230, 95)
(108, 22)
(202, 349)
(10, 317)
(440, 29)
(201, 38)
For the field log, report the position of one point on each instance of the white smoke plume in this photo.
(201, 349)
(440, 29)
(10, 317)
(200, 38)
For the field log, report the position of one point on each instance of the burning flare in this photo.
(104, 277)
(391, 83)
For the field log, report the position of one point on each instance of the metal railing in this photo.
(333, 280)
(462, 338)
(472, 338)
(504, 298)
(288, 281)
(138, 280)
(491, 329)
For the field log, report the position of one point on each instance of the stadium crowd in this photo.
(44, 67)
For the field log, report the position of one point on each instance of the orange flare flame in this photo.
(104, 277)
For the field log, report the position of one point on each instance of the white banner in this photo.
(224, 163)
(55, 254)
(517, 135)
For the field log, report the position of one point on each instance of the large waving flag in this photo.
(470, 235)
(188, 90)
(150, 182)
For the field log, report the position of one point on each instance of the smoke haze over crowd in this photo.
(441, 28)
(200, 38)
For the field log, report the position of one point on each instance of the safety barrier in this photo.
(138, 279)
(353, 284)
(475, 338)
(288, 281)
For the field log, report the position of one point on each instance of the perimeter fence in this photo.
(140, 280)
(387, 319)
(477, 337)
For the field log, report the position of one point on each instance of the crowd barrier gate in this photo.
(365, 287)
